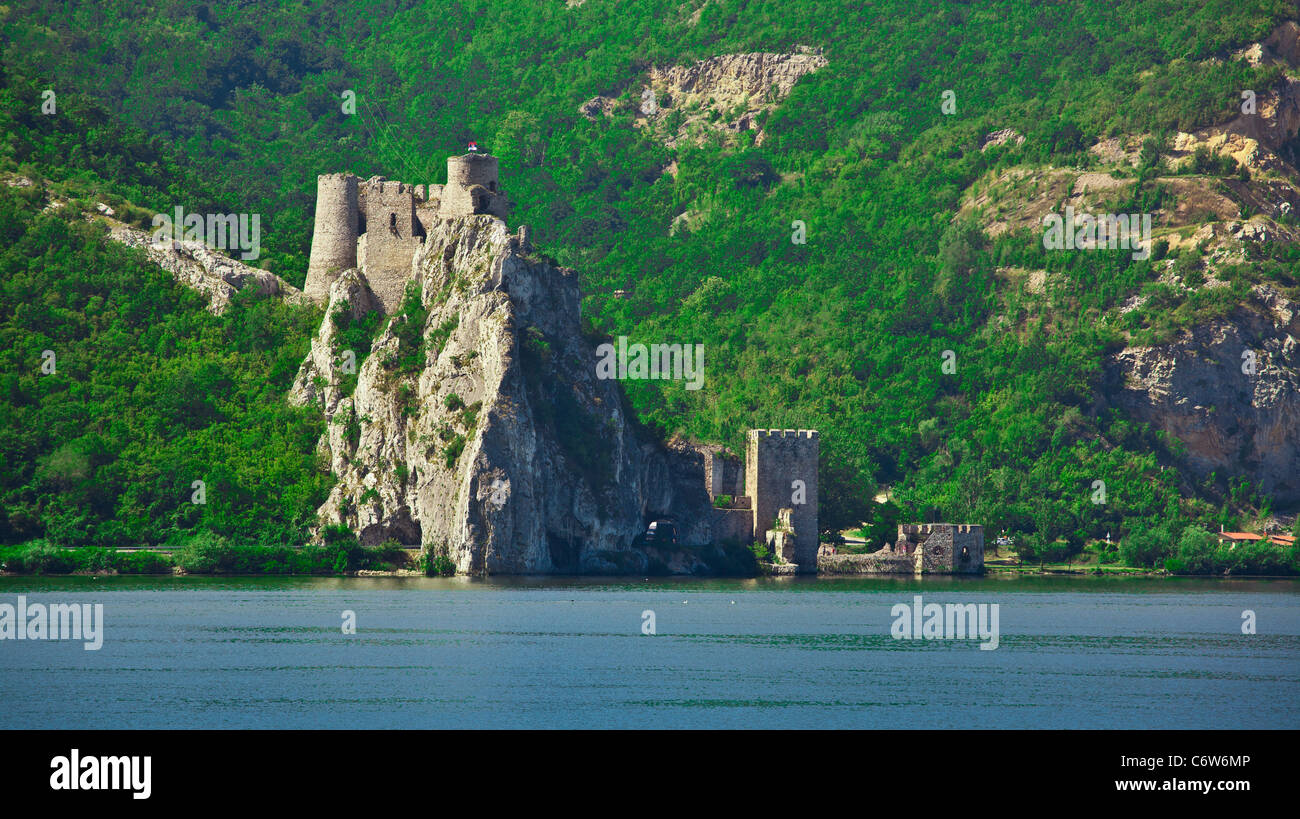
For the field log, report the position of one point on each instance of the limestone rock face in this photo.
(1002, 137)
(212, 273)
(319, 379)
(493, 440)
(740, 87)
(730, 78)
(1232, 423)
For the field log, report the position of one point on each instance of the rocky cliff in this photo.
(1198, 389)
(477, 424)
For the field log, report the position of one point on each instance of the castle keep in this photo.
(378, 225)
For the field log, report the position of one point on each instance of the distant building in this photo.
(1239, 537)
(921, 548)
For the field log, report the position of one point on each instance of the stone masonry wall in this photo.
(472, 187)
(379, 225)
(882, 562)
(939, 546)
(968, 549)
(731, 526)
(774, 459)
(723, 473)
(392, 237)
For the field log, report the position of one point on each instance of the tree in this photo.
(518, 142)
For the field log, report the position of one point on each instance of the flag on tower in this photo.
(473, 146)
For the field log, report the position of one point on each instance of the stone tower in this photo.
(334, 238)
(472, 187)
(775, 459)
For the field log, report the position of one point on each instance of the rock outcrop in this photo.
(1258, 139)
(1002, 137)
(213, 274)
(727, 94)
(1199, 390)
(478, 426)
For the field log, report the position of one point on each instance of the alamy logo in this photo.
(102, 773)
(222, 231)
(1125, 231)
(654, 361)
(60, 621)
(953, 621)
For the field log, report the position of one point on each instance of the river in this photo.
(1073, 652)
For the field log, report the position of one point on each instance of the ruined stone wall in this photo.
(945, 547)
(334, 237)
(731, 526)
(940, 548)
(379, 225)
(774, 459)
(428, 200)
(724, 474)
(392, 237)
(968, 549)
(881, 562)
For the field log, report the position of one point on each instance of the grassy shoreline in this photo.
(390, 560)
(209, 555)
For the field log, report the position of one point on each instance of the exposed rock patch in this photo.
(729, 94)
(1233, 423)
(1002, 137)
(1018, 198)
(212, 273)
(1257, 139)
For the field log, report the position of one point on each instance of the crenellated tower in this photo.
(781, 473)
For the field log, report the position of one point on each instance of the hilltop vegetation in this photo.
(148, 394)
(237, 109)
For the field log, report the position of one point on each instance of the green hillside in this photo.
(238, 108)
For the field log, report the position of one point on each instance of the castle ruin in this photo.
(774, 493)
(378, 225)
(921, 548)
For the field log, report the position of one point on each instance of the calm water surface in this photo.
(569, 652)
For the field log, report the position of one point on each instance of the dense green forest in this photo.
(237, 107)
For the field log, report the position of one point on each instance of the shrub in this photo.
(452, 453)
(1148, 545)
(143, 563)
(439, 563)
(206, 553)
(42, 557)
